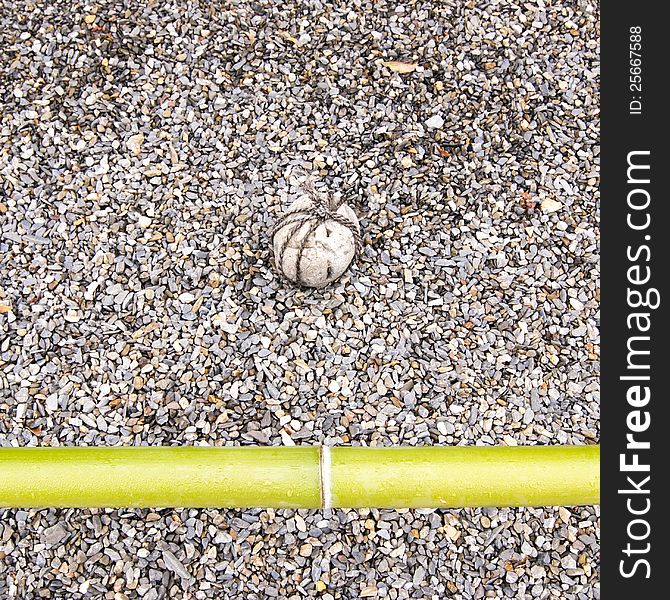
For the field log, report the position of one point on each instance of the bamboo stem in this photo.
(159, 476)
(433, 476)
(301, 477)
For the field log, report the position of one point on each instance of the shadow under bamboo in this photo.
(300, 477)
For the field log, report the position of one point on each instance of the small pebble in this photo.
(435, 122)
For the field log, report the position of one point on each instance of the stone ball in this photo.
(310, 247)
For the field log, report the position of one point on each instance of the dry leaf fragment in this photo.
(527, 202)
(174, 157)
(549, 205)
(151, 327)
(400, 67)
(451, 532)
(287, 36)
(134, 143)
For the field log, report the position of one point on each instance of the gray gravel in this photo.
(145, 152)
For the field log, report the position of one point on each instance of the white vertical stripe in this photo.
(326, 497)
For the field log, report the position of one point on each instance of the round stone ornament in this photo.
(316, 240)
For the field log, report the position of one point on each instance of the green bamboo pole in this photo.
(159, 476)
(433, 476)
(301, 477)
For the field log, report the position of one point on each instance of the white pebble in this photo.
(435, 122)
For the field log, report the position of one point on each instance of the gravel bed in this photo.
(145, 153)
